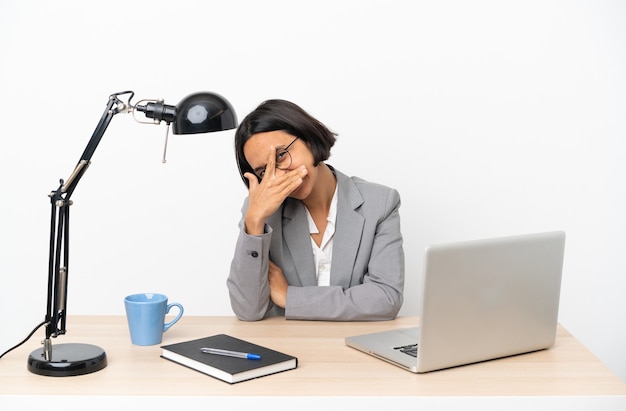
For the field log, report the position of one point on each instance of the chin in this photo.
(301, 192)
(296, 194)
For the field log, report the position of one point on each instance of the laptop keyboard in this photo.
(410, 349)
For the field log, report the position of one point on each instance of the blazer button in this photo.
(254, 254)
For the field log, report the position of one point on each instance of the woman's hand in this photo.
(278, 285)
(265, 197)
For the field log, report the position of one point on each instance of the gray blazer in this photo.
(367, 269)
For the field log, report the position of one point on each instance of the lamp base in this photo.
(68, 360)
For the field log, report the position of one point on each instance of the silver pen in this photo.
(228, 353)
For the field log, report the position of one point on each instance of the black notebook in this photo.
(226, 368)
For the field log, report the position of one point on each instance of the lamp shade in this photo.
(203, 112)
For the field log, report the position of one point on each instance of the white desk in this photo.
(565, 375)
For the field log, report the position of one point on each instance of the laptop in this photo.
(481, 300)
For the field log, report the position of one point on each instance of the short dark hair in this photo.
(275, 115)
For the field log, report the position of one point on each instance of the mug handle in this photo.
(167, 326)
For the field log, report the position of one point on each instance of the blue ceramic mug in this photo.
(145, 313)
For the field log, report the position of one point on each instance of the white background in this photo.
(491, 118)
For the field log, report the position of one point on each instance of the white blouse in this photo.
(324, 253)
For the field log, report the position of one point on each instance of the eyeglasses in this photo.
(283, 160)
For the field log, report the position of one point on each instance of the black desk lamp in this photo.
(196, 113)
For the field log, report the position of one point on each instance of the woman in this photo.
(314, 244)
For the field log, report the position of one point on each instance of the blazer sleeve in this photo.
(247, 282)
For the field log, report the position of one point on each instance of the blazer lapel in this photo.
(295, 223)
(348, 231)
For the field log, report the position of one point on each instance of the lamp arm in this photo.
(114, 106)
(55, 320)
